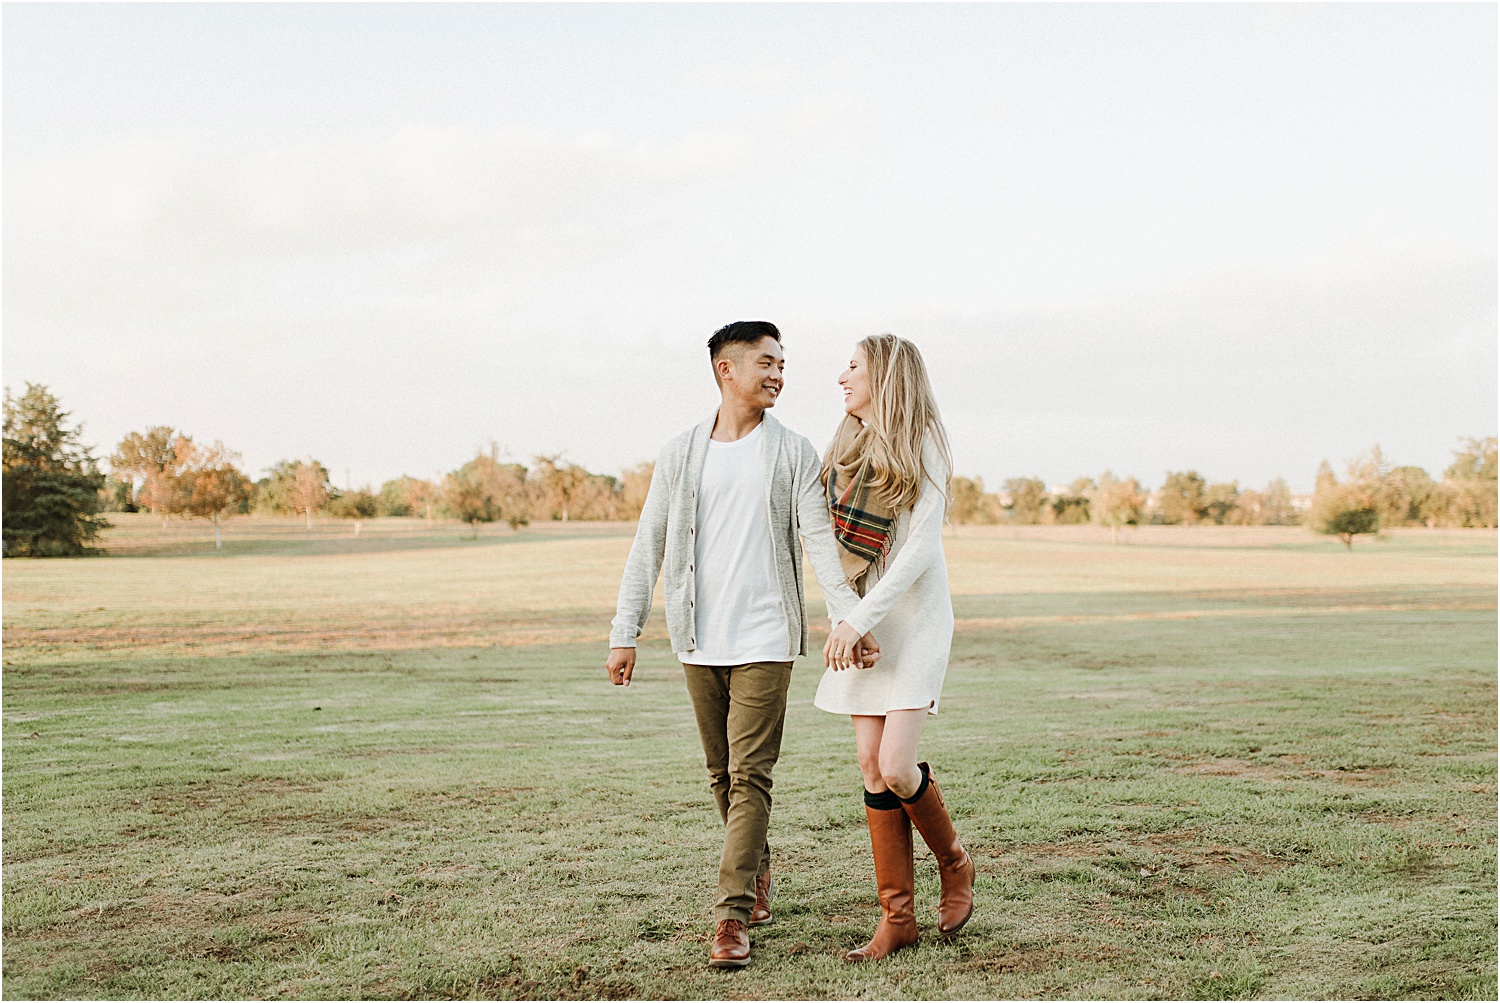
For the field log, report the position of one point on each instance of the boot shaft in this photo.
(895, 882)
(929, 814)
(895, 874)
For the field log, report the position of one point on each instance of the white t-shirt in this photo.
(737, 598)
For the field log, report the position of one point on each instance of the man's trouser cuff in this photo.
(722, 913)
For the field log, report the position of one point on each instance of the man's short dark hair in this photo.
(741, 331)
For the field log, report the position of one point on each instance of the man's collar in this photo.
(769, 420)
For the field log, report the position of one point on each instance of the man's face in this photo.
(752, 373)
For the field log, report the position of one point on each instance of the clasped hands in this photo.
(846, 649)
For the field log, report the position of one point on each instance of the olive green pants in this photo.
(741, 710)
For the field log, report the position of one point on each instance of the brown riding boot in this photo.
(955, 868)
(895, 882)
(731, 947)
(764, 888)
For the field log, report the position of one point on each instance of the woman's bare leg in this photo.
(867, 732)
(890, 845)
(898, 751)
(887, 750)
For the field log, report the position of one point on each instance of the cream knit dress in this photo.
(910, 611)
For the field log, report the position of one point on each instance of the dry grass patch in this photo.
(1146, 856)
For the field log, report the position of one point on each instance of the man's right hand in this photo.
(620, 666)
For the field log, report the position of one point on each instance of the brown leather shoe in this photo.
(895, 882)
(764, 888)
(955, 868)
(731, 947)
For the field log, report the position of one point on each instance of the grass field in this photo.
(1202, 763)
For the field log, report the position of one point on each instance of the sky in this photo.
(1239, 239)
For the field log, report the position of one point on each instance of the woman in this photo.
(886, 476)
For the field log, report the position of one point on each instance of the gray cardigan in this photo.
(665, 534)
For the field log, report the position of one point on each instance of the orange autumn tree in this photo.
(158, 456)
(212, 486)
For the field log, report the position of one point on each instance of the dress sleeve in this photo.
(816, 528)
(922, 546)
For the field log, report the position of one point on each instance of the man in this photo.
(727, 501)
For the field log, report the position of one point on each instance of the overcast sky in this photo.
(1232, 238)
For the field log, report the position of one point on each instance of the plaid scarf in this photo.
(863, 523)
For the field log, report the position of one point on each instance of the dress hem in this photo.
(931, 711)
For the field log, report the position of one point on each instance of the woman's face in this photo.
(856, 384)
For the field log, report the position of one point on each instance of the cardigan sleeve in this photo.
(922, 546)
(647, 551)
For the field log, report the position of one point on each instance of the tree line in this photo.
(56, 496)
(1184, 499)
(162, 471)
(1373, 495)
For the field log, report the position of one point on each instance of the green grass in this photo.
(1197, 764)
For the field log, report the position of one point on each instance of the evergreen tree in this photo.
(51, 482)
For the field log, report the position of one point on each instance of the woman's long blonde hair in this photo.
(903, 412)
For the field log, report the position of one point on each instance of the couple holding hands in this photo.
(728, 502)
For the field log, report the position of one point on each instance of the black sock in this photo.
(921, 788)
(884, 801)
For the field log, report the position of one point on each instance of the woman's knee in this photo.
(901, 777)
